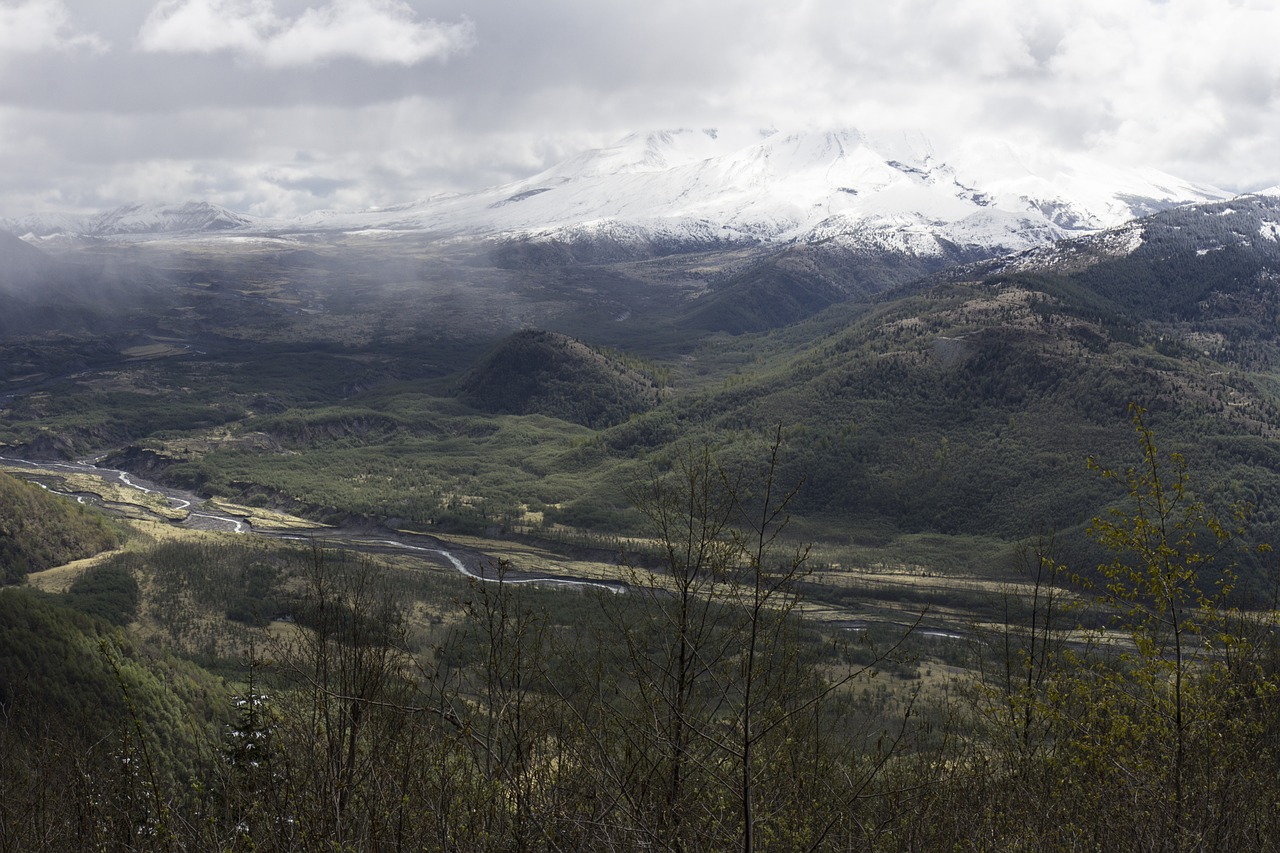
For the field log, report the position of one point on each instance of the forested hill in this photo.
(971, 405)
(39, 530)
(535, 372)
(1213, 264)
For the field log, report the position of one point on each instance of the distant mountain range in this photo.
(131, 219)
(681, 190)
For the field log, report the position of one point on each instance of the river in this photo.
(472, 564)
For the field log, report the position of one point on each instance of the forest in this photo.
(304, 698)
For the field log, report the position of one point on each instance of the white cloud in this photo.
(1188, 86)
(380, 32)
(377, 31)
(39, 25)
(206, 26)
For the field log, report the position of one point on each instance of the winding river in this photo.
(472, 564)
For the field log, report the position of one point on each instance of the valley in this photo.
(126, 497)
(392, 382)
(561, 531)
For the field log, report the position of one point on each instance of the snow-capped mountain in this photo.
(1247, 224)
(42, 225)
(165, 219)
(703, 187)
(182, 218)
(678, 189)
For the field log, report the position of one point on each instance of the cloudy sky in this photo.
(279, 107)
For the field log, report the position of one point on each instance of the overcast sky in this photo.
(278, 107)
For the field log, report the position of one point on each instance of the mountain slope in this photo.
(968, 406)
(534, 372)
(134, 219)
(801, 279)
(47, 291)
(700, 188)
(1211, 269)
(39, 530)
(192, 216)
(22, 265)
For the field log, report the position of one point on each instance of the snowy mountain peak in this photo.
(687, 188)
(694, 188)
(654, 151)
(134, 219)
(165, 219)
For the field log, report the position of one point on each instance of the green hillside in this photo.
(39, 530)
(544, 373)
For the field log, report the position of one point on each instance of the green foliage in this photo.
(1157, 738)
(191, 581)
(254, 598)
(108, 592)
(1160, 718)
(49, 660)
(698, 710)
(53, 663)
(545, 373)
(334, 426)
(73, 421)
(39, 530)
(1165, 545)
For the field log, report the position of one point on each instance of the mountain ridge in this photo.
(797, 186)
(675, 189)
(133, 219)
